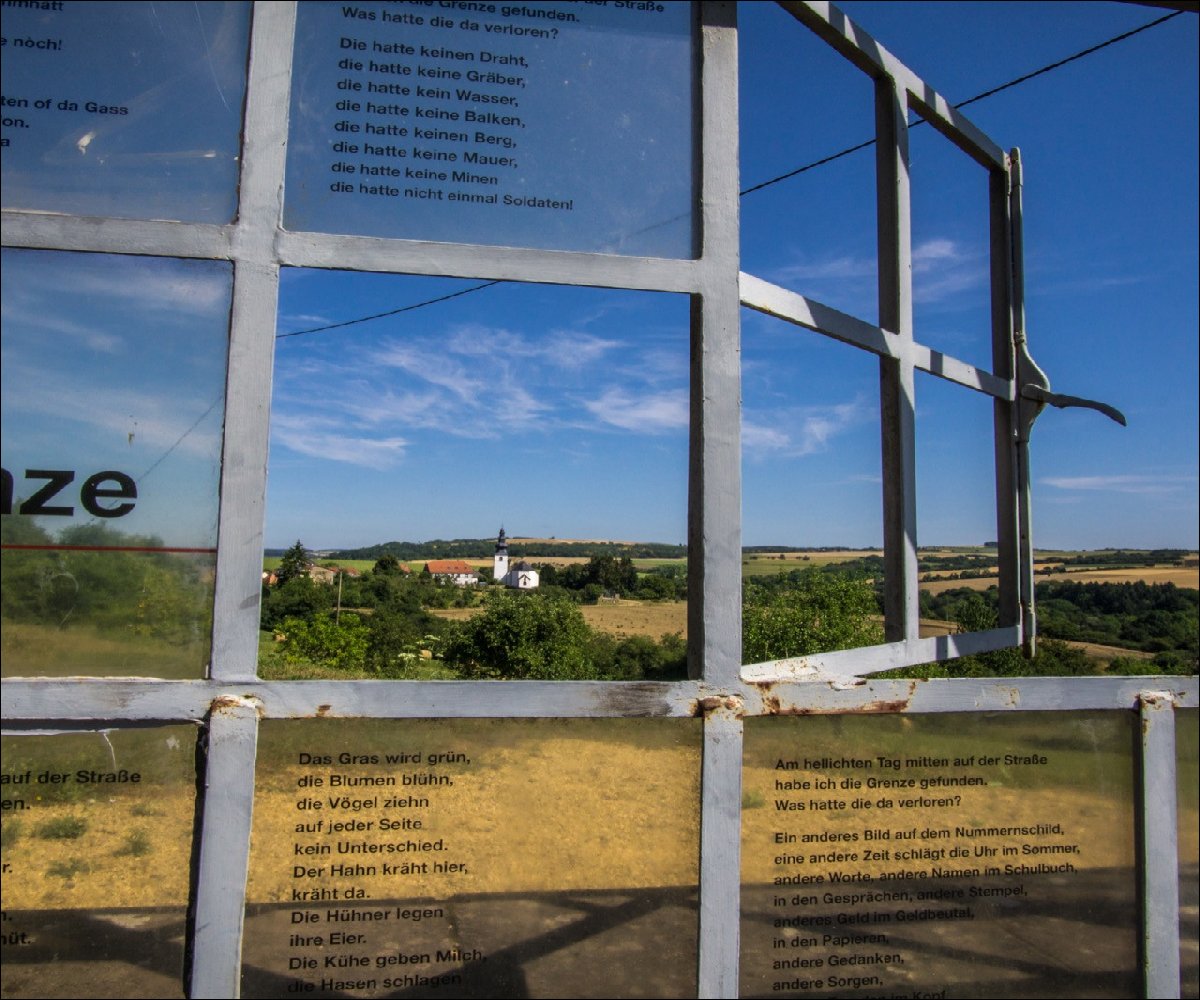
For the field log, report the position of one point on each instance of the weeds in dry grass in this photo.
(69, 868)
(61, 828)
(137, 845)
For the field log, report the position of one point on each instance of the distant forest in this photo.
(484, 548)
(930, 560)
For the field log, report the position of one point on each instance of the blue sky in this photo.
(117, 363)
(559, 411)
(563, 411)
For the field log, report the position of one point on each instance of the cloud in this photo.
(314, 437)
(654, 413)
(432, 367)
(133, 284)
(296, 321)
(797, 433)
(760, 438)
(125, 416)
(561, 348)
(942, 268)
(1122, 483)
(374, 402)
(41, 323)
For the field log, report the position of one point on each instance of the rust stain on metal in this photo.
(773, 704)
(714, 703)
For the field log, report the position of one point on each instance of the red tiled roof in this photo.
(449, 567)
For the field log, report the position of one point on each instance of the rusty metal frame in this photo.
(231, 701)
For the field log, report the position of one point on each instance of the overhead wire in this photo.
(970, 100)
(1049, 67)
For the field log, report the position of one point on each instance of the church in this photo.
(522, 576)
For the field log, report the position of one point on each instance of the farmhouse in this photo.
(460, 573)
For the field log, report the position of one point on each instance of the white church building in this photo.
(522, 576)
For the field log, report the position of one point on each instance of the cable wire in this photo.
(774, 180)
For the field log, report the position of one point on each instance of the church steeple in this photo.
(500, 560)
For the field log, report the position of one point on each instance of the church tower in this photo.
(500, 559)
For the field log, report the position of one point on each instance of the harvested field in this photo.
(626, 618)
(619, 618)
(1181, 576)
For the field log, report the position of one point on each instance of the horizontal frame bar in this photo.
(791, 307)
(98, 703)
(850, 40)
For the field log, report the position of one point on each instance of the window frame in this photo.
(230, 702)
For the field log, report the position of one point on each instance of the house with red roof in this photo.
(461, 574)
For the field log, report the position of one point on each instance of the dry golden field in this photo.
(619, 617)
(1181, 576)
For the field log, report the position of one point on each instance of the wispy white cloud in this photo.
(42, 323)
(942, 268)
(433, 367)
(137, 284)
(116, 415)
(758, 439)
(842, 268)
(560, 348)
(797, 433)
(374, 403)
(651, 413)
(1139, 484)
(296, 321)
(313, 436)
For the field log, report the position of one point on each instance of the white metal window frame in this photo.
(231, 701)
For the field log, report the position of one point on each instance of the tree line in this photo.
(484, 548)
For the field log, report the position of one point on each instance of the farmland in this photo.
(621, 600)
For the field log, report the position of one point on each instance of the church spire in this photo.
(500, 559)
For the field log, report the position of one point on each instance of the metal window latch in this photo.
(1035, 394)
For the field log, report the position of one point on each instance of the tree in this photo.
(294, 563)
(323, 641)
(387, 565)
(524, 636)
(818, 611)
(298, 597)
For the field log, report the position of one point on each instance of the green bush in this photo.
(816, 612)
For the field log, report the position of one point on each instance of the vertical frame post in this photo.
(224, 855)
(715, 498)
(897, 403)
(1159, 847)
(1023, 486)
(252, 346)
(1004, 412)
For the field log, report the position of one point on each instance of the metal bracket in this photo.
(1035, 394)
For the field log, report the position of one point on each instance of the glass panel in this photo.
(557, 125)
(97, 839)
(944, 855)
(131, 110)
(403, 447)
(480, 857)
(113, 389)
(1187, 739)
